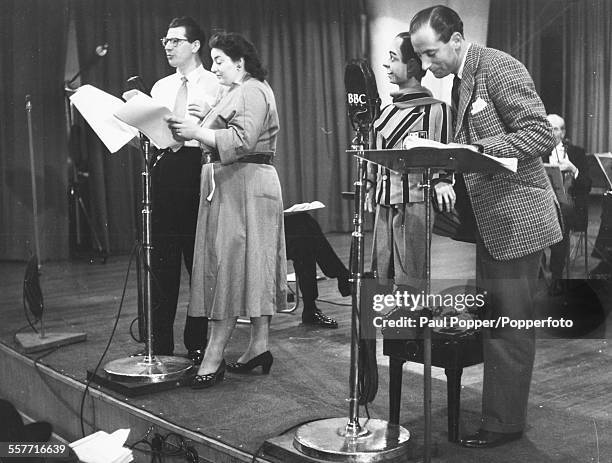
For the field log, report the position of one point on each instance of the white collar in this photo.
(460, 71)
(193, 75)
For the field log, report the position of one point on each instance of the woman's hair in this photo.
(408, 53)
(236, 46)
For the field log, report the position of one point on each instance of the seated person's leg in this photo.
(328, 260)
(300, 247)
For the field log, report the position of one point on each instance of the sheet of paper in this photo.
(102, 447)
(144, 113)
(97, 108)
(302, 207)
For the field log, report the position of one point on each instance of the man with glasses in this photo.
(190, 91)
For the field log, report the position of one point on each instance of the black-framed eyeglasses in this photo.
(173, 41)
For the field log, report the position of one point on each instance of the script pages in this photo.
(304, 207)
(117, 122)
(416, 142)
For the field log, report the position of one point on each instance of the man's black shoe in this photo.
(195, 355)
(318, 318)
(486, 439)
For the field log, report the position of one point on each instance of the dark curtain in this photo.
(518, 28)
(566, 45)
(587, 74)
(304, 45)
(32, 63)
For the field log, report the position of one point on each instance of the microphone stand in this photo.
(335, 439)
(74, 179)
(148, 368)
(32, 294)
(28, 108)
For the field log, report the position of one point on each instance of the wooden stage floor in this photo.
(570, 411)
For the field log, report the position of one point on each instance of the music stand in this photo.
(376, 440)
(600, 158)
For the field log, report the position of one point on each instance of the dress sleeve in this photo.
(244, 121)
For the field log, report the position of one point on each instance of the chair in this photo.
(293, 297)
(451, 354)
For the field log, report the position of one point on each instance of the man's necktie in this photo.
(180, 104)
(455, 93)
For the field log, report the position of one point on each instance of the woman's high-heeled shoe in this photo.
(264, 360)
(204, 381)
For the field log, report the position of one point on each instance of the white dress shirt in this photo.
(202, 87)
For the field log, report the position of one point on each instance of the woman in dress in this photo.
(239, 264)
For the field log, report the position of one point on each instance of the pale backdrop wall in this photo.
(389, 17)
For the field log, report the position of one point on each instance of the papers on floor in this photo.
(303, 207)
(117, 122)
(510, 164)
(101, 447)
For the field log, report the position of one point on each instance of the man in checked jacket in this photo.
(516, 214)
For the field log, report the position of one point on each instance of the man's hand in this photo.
(566, 166)
(445, 196)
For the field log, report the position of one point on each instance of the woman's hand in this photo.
(198, 109)
(182, 129)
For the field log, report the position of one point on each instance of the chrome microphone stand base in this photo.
(147, 370)
(331, 440)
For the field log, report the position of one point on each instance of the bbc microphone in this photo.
(362, 100)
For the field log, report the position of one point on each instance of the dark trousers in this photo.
(508, 352)
(176, 197)
(306, 247)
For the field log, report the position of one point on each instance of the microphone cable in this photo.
(108, 344)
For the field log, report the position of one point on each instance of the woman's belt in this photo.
(210, 158)
(256, 158)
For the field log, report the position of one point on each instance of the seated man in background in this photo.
(307, 247)
(572, 162)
